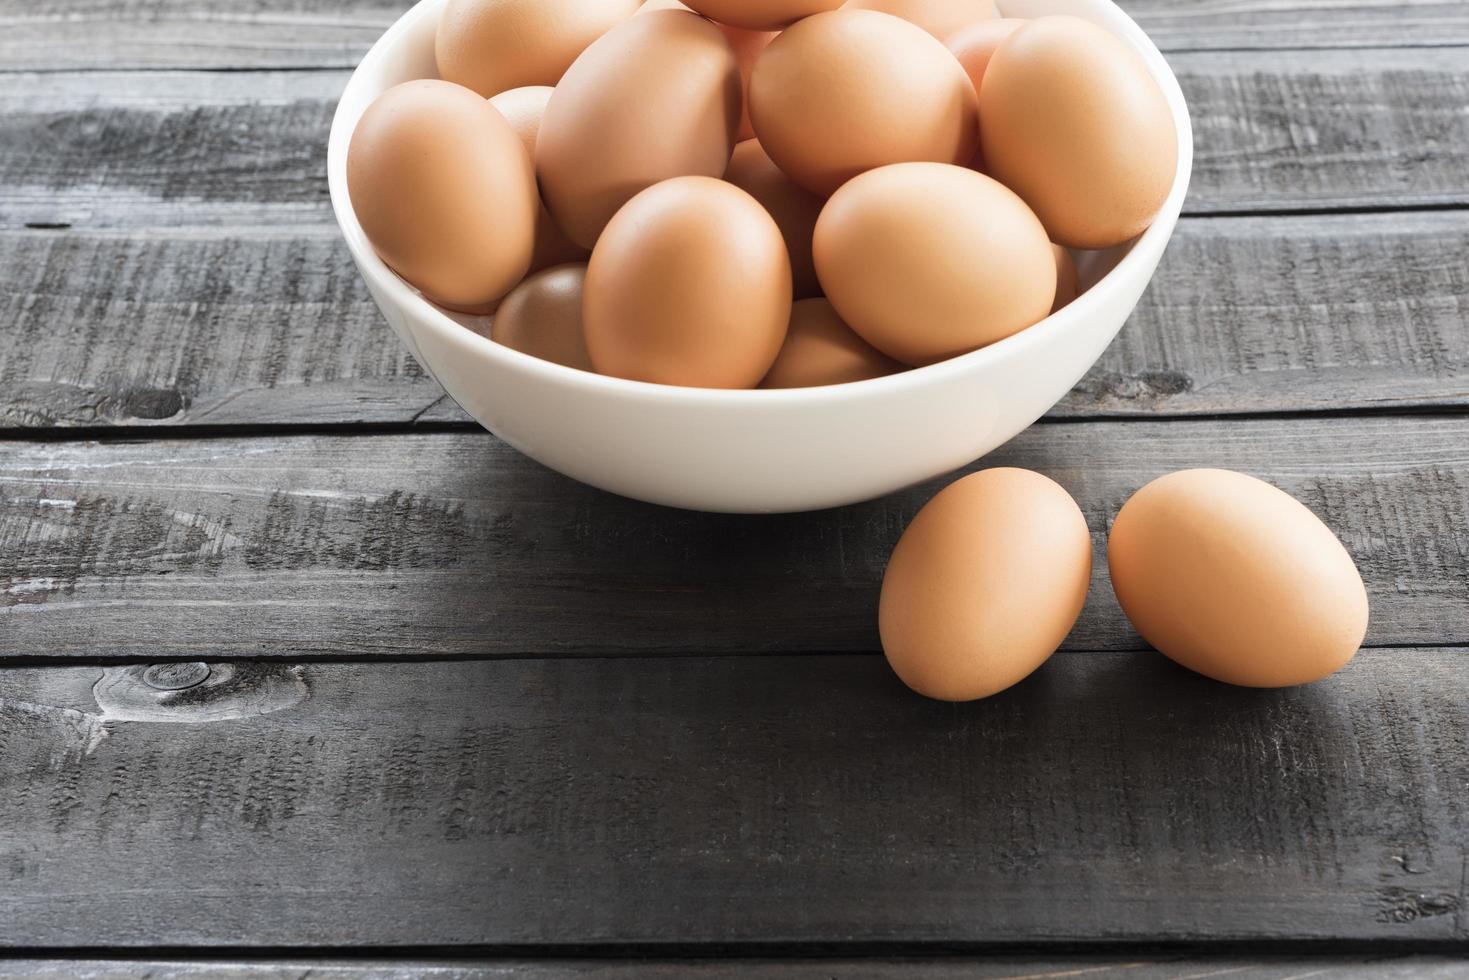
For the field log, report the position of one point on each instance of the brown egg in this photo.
(794, 209)
(975, 44)
(1074, 124)
(444, 190)
(542, 317)
(843, 92)
(689, 285)
(494, 45)
(523, 108)
(747, 47)
(820, 349)
(656, 97)
(1234, 578)
(1068, 286)
(930, 260)
(941, 18)
(760, 15)
(984, 584)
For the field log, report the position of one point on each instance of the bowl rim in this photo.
(1076, 315)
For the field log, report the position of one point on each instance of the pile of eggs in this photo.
(771, 193)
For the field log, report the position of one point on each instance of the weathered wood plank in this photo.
(1140, 966)
(157, 149)
(109, 34)
(1178, 25)
(206, 326)
(1319, 129)
(332, 34)
(1294, 314)
(743, 799)
(259, 326)
(1336, 129)
(451, 543)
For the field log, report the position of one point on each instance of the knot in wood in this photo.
(176, 677)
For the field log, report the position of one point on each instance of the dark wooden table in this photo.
(296, 660)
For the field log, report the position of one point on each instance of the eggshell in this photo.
(542, 317)
(794, 209)
(984, 584)
(975, 44)
(656, 97)
(494, 45)
(930, 260)
(1234, 578)
(747, 47)
(760, 15)
(689, 285)
(1068, 286)
(941, 18)
(523, 108)
(1073, 123)
(843, 92)
(444, 191)
(820, 349)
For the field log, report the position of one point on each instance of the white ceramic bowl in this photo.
(759, 451)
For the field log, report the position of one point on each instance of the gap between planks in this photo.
(1240, 960)
(134, 433)
(10, 662)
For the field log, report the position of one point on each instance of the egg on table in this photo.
(984, 584)
(1236, 579)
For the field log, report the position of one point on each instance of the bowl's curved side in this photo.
(404, 52)
(759, 451)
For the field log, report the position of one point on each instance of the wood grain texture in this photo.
(729, 800)
(248, 326)
(1336, 312)
(97, 150)
(265, 326)
(1141, 966)
(191, 33)
(63, 34)
(1331, 129)
(1192, 25)
(1317, 129)
(452, 543)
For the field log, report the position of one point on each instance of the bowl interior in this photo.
(405, 52)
